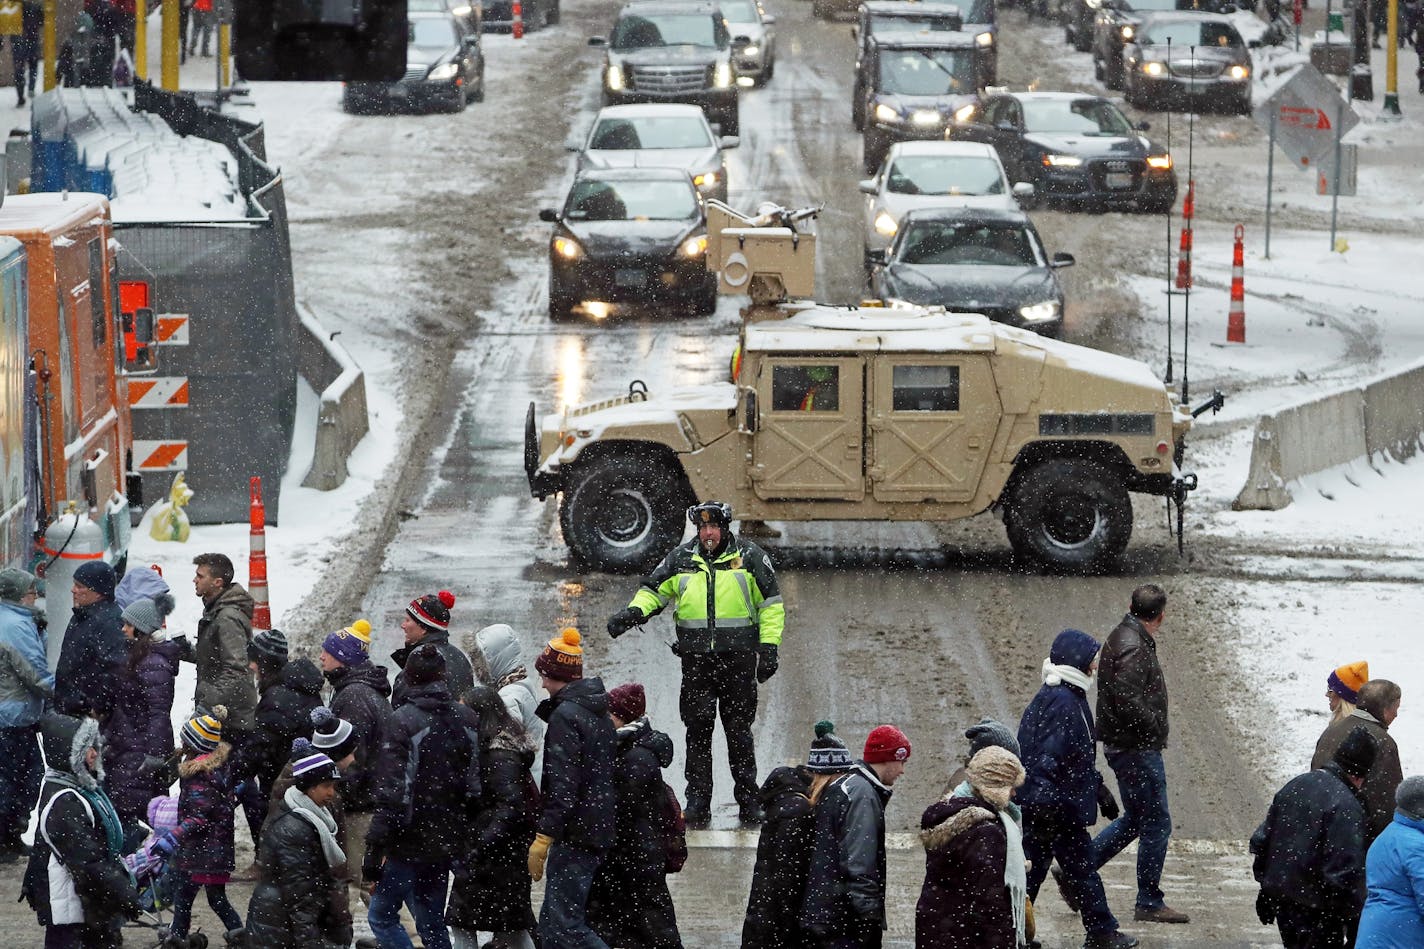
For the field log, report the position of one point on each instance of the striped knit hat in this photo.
(350, 646)
(562, 659)
(203, 731)
(432, 610)
(829, 755)
(268, 645)
(1346, 680)
(311, 767)
(330, 733)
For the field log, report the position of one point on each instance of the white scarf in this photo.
(320, 818)
(1054, 674)
(1015, 872)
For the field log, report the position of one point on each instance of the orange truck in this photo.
(79, 454)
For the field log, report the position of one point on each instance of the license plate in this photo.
(1118, 179)
(629, 278)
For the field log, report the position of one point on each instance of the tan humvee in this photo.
(865, 413)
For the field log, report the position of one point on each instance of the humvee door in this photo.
(931, 421)
(809, 436)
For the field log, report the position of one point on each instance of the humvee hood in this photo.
(683, 418)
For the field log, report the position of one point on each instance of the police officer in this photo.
(729, 618)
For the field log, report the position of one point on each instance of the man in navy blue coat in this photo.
(1063, 790)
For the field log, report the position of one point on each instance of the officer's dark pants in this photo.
(720, 683)
(1306, 928)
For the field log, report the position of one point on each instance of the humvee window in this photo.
(805, 389)
(925, 389)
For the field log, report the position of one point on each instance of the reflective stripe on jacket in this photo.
(732, 602)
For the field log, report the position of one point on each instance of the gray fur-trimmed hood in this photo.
(950, 817)
(65, 740)
(517, 741)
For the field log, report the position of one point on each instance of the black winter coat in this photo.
(283, 715)
(140, 723)
(577, 784)
(361, 695)
(1132, 692)
(1060, 754)
(91, 660)
(964, 903)
(427, 779)
(491, 890)
(459, 676)
(205, 808)
(629, 904)
(299, 902)
(783, 855)
(845, 884)
(1310, 849)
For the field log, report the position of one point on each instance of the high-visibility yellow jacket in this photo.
(732, 602)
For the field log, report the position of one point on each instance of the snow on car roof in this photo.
(974, 149)
(649, 108)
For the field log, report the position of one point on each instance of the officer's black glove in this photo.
(1265, 908)
(766, 661)
(1107, 803)
(624, 620)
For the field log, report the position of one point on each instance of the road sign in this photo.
(1349, 172)
(1306, 109)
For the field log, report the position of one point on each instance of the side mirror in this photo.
(1004, 125)
(867, 186)
(1143, 126)
(878, 257)
(549, 215)
(769, 20)
(729, 141)
(1061, 260)
(1253, 44)
(749, 411)
(598, 41)
(1023, 190)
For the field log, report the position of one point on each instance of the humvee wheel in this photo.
(623, 512)
(1069, 514)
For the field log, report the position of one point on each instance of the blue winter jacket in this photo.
(25, 679)
(1059, 748)
(1394, 873)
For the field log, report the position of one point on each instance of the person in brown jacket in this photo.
(1377, 709)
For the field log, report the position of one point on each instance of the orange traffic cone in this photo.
(1236, 316)
(257, 558)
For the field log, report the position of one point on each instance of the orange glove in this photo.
(539, 855)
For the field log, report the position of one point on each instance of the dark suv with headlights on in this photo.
(1114, 26)
(445, 68)
(881, 17)
(1186, 59)
(914, 86)
(672, 51)
(1076, 150)
(629, 236)
(989, 261)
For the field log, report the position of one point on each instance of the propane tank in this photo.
(71, 540)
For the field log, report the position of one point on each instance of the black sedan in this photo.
(629, 236)
(1076, 150)
(975, 260)
(445, 68)
(1187, 59)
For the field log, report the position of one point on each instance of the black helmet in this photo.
(710, 512)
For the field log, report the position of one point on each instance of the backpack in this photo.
(674, 828)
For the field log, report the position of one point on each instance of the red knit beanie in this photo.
(628, 701)
(886, 743)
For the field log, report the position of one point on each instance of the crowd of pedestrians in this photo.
(367, 797)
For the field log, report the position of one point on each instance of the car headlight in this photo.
(885, 225)
(567, 248)
(1159, 162)
(885, 113)
(693, 246)
(1061, 161)
(614, 78)
(1239, 72)
(965, 112)
(1128, 32)
(722, 75)
(443, 71)
(984, 39)
(708, 179)
(925, 117)
(1040, 312)
(1154, 69)
(751, 49)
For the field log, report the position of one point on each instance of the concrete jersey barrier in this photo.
(341, 385)
(1382, 417)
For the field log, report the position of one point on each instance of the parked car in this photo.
(879, 17)
(1114, 26)
(915, 85)
(470, 13)
(1188, 59)
(658, 135)
(629, 236)
(672, 51)
(932, 175)
(753, 40)
(445, 68)
(989, 261)
(1077, 150)
(535, 14)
